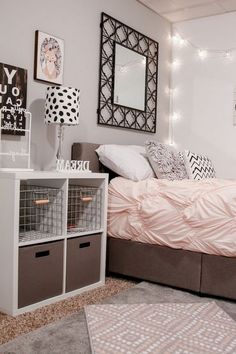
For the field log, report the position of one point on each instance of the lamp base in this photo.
(60, 139)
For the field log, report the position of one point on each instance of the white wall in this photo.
(204, 96)
(77, 22)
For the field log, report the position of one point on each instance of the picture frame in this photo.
(13, 99)
(48, 58)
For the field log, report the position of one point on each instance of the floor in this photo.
(11, 327)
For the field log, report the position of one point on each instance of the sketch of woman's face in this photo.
(50, 57)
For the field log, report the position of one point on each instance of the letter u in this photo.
(3, 89)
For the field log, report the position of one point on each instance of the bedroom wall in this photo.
(77, 22)
(204, 96)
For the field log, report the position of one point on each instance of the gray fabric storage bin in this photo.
(40, 272)
(83, 261)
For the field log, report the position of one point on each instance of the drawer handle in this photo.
(42, 254)
(85, 244)
(41, 201)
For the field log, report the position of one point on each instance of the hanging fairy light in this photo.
(175, 116)
(202, 53)
(176, 63)
(179, 41)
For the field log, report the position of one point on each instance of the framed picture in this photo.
(49, 58)
(13, 95)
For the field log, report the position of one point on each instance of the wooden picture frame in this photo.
(48, 58)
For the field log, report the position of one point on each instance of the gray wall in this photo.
(77, 22)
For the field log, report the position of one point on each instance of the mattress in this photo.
(192, 215)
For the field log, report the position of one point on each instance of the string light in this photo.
(202, 53)
(175, 64)
(178, 40)
(176, 116)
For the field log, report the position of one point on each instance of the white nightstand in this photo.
(52, 237)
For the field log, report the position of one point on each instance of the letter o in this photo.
(15, 91)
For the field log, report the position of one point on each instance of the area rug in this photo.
(160, 328)
(69, 335)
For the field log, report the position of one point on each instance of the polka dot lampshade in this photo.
(62, 105)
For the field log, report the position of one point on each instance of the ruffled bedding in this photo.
(192, 215)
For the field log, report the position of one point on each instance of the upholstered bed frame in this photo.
(202, 273)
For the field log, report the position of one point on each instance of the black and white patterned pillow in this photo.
(198, 167)
(165, 162)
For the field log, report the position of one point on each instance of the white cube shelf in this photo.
(40, 213)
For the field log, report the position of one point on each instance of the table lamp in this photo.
(62, 108)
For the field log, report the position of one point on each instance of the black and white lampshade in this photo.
(62, 105)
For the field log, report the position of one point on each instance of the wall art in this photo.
(13, 95)
(48, 58)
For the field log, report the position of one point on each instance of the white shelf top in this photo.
(24, 175)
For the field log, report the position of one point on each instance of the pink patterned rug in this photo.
(166, 328)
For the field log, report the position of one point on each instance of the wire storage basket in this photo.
(84, 208)
(40, 212)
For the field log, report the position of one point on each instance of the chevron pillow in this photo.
(198, 166)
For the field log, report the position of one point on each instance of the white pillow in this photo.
(126, 160)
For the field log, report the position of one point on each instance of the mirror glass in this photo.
(129, 78)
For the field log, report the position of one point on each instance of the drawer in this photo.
(40, 272)
(83, 261)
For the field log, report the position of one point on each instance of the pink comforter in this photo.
(187, 214)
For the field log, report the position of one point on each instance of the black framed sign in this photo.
(128, 77)
(13, 94)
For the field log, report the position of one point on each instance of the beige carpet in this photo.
(160, 328)
(11, 327)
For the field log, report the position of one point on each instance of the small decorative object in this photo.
(49, 58)
(13, 92)
(73, 166)
(62, 108)
(15, 155)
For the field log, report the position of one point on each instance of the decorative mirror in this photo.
(129, 88)
(128, 77)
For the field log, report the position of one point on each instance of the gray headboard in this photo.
(86, 152)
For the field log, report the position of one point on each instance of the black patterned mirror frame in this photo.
(110, 114)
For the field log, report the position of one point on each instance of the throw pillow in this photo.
(198, 167)
(126, 160)
(166, 162)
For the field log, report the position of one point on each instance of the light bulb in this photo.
(175, 64)
(175, 116)
(228, 55)
(178, 40)
(171, 91)
(202, 53)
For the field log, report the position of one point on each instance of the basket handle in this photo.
(41, 200)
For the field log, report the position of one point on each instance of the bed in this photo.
(195, 271)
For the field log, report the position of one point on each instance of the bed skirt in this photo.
(198, 272)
